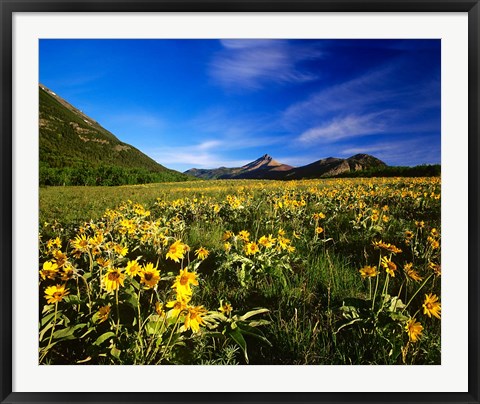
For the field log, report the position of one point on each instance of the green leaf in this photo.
(215, 315)
(356, 320)
(102, 338)
(42, 333)
(89, 358)
(47, 318)
(47, 308)
(132, 298)
(398, 317)
(86, 333)
(237, 336)
(252, 313)
(254, 332)
(115, 352)
(258, 323)
(67, 333)
(155, 327)
(72, 299)
(349, 312)
(396, 304)
(135, 283)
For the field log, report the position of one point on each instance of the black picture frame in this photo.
(9, 7)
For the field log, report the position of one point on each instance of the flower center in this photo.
(113, 276)
(183, 280)
(148, 276)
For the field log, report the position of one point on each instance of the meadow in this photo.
(334, 271)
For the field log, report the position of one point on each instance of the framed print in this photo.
(236, 201)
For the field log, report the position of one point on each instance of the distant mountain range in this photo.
(77, 150)
(266, 167)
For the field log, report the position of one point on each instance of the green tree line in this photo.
(395, 171)
(104, 175)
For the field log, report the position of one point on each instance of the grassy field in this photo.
(343, 271)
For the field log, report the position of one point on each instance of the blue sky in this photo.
(210, 103)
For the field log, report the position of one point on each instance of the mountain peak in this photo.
(265, 167)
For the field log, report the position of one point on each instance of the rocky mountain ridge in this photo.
(266, 167)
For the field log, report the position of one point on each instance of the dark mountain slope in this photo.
(73, 144)
(263, 167)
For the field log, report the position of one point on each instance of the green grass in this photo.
(311, 292)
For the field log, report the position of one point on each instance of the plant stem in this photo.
(118, 312)
(376, 283)
(51, 334)
(88, 295)
(169, 339)
(418, 290)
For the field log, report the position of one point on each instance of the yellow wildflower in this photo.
(194, 319)
(50, 270)
(176, 251)
(251, 248)
(183, 281)
(411, 273)
(80, 243)
(55, 294)
(202, 253)
(389, 266)
(431, 306)
(368, 271)
(103, 313)
(113, 279)
(149, 276)
(225, 308)
(133, 268)
(244, 235)
(413, 329)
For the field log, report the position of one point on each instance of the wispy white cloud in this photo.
(182, 158)
(362, 94)
(345, 127)
(249, 64)
(236, 131)
(213, 152)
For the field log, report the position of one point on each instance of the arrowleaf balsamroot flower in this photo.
(176, 252)
(80, 243)
(414, 329)
(368, 271)
(149, 276)
(194, 319)
(50, 270)
(386, 246)
(55, 294)
(133, 268)
(389, 266)
(411, 273)
(251, 248)
(113, 279)
(244, 235)
(202, 253)
(183, 281)
(431, 306)
(225, 308)
(103, 313)
(267, 242)
(176, 307)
